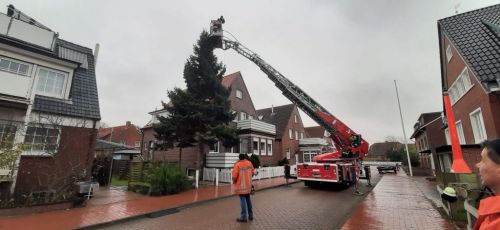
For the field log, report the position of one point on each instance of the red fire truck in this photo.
(343, 165)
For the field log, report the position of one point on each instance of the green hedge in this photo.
(167, 179)
(139, 187)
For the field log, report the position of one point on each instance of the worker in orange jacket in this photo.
(242, 179)
(489, 170)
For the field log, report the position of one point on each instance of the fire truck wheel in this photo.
(310, 183)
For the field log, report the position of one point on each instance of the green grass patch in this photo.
(115, 181)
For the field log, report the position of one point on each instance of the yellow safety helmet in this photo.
(449, 194)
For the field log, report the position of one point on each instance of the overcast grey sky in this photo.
(345, 54)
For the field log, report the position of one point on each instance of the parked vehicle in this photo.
(383, 168)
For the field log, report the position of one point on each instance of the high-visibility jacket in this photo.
(488, 214)
(242, 176)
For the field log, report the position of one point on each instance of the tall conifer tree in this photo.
(200, 114)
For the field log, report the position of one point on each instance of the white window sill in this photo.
(37, 154)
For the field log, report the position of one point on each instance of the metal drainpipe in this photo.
(92, 138)
(20, 135)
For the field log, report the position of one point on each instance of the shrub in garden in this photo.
(255, 161)
(166, 179)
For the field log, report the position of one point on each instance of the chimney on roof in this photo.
(96, 54)
(128, 123)
(272, 110)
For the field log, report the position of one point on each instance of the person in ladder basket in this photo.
(242, 174)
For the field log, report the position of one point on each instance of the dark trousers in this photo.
(246, 206)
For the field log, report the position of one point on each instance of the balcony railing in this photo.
(221, 160)
(256, 125)
(26, 32)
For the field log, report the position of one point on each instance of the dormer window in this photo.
(239, 94)
(51, 83)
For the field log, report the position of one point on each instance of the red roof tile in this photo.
(228, 79)
(125, 133)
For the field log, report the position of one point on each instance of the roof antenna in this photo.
(457, 6)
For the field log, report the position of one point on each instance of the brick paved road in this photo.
(295, 207)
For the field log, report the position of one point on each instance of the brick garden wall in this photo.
(75, 153)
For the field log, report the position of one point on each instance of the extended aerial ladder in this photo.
(350, 147)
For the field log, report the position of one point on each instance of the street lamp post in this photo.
(403, 127)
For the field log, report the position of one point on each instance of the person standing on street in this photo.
(287, 173)
(489, 170)
(242, 174)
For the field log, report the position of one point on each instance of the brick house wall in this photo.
(193, 157)
(470, 154)
(475, 98)
(235, 82)
(43, 173)
(428, 135)
(127, 134)
(284, 142)
(469, 41)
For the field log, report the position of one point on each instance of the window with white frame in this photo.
(447, 136)
(446, 158)
(239, 94)
(295, 118)
(296, 135)
(7, 135)
(137, 144)
(41, 140)
(308, 156)
(290, 134)
(262, 146)
(15, 67)
(301, 135)
(477, 123)
(269, 147)
(250, 117)
(255, 145)
(460, 132)
(51, 83)
(449, 53)
(288, 154)
(243, 116)
(460, 87)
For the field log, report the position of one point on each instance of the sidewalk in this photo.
(429, 190)
(100, 214)
(396, 203)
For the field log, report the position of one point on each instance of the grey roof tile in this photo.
(279, 117)
(476, 35)
(83, 92)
